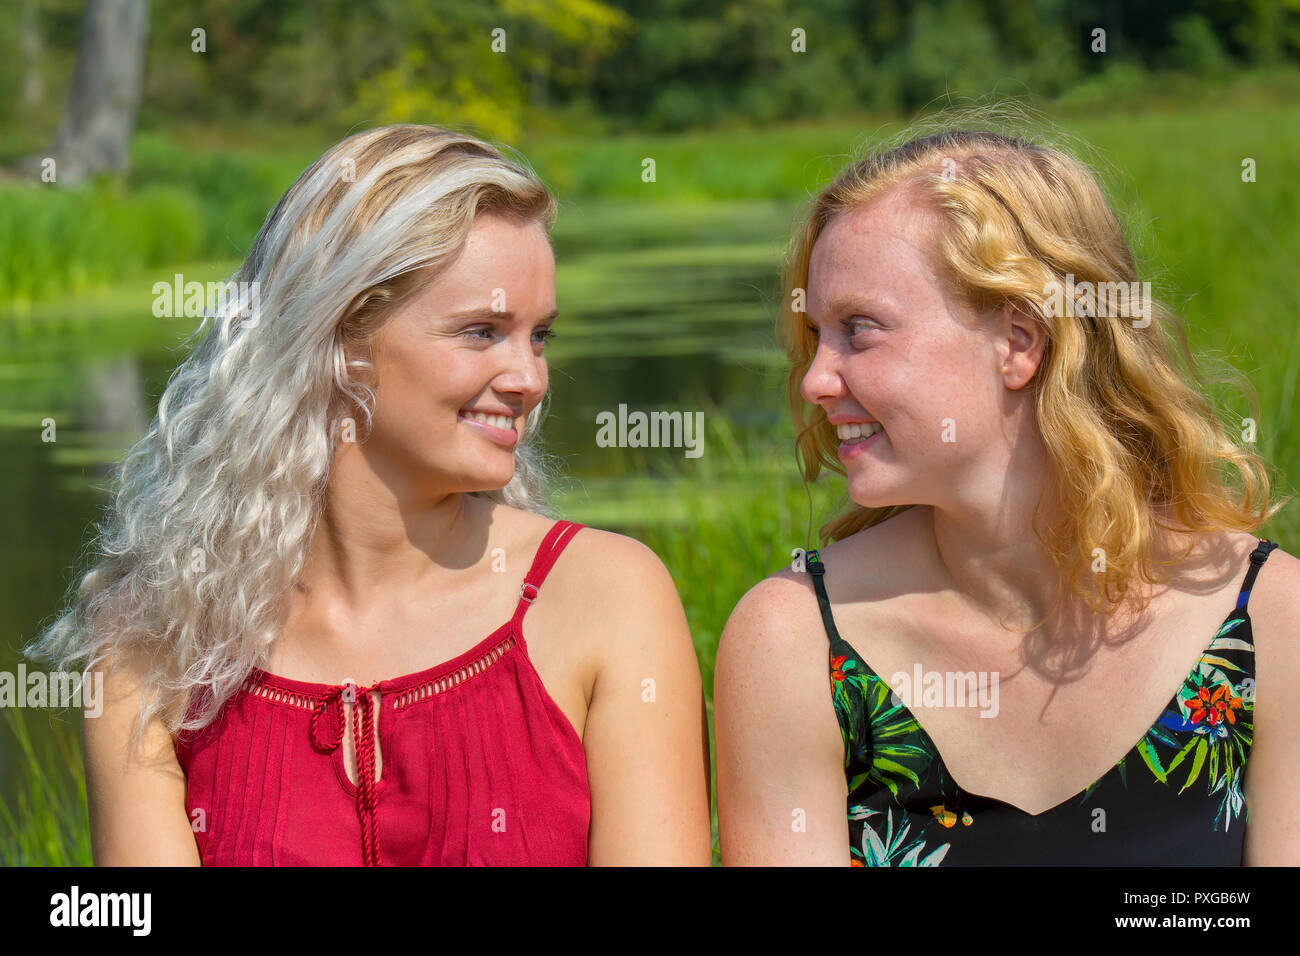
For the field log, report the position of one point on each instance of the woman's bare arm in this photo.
(136, 799)
(781, 789)
(1272, 781)
(645, 741)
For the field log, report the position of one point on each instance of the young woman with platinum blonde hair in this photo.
(341, 486)
(1049, 523)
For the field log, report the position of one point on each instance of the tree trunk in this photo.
(33, 83)
(96, 132)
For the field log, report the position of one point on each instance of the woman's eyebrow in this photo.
(485, 312)
(856, 303)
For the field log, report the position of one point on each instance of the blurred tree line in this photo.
(623, 64)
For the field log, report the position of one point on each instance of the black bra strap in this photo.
(1257, 559)
(817, 569)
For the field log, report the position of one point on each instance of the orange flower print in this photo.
(837, 674)
(1214, 706)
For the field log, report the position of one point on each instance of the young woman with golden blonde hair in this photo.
(313, 588)
(1029, 660)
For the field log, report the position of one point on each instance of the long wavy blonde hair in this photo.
(1132, 439)
(214, 508)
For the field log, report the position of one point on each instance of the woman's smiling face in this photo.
(460, 365)
(897, 349)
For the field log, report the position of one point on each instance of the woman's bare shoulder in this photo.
(1273, 837)
(608, 582)
(788, 594)
(1275, 601)
(772, 701)
(883, 561)
(621, 558)
(617, 564)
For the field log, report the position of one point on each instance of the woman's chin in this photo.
(479, 482)
(875, 497)
(497, 481)
(483, 486)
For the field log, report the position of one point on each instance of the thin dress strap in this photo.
(817, 569)
(1257, 559)
(556, 540)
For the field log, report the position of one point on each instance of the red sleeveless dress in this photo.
(480, 766)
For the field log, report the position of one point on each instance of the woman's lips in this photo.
(507, 438)
(848, 450)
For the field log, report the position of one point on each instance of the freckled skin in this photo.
(918, 356)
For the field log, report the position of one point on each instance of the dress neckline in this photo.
(509, 634)
(1238, 614)
(394, 685)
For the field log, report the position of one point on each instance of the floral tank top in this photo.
(1174, 799)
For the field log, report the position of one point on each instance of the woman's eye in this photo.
(483, 333)
(858, 326)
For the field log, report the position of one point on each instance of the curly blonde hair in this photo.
(1132, 439)
(214, 508)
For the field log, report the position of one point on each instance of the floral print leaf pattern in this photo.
(904, 810)
(1197, 763)
(1181, 755)
(893, 755)
(893, 849)
(1220, 662)
(1151, 759)
(1214, 724)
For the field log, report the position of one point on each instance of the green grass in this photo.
(54, 242)
(48, 825)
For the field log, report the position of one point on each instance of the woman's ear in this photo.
(359, 357)
(1025, 338)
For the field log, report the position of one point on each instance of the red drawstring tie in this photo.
(363, 740)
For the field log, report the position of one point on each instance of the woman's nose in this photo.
(822, 380)
(524, 370)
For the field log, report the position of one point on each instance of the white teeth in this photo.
(857, 430)
(496, 421)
